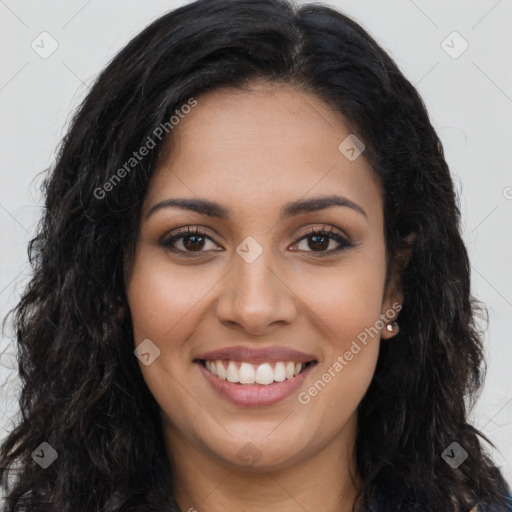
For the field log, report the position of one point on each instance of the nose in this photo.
(255, 298)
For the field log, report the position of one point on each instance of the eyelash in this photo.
(167, 242)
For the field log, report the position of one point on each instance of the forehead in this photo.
(256, 149)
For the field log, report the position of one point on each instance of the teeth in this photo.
(264, 374)
(221, 371)
(212, 367)
(247, 373)
(279, 372)
(233, 372)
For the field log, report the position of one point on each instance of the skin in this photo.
(253, 151)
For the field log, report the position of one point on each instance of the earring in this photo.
(392, 327)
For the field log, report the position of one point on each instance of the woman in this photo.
(250, 290)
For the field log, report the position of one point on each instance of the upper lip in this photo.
(257, 355)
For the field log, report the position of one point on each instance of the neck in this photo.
(320, 481)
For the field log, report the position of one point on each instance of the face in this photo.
(268, 275)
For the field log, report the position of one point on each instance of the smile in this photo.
(246, 373)
(249, 384)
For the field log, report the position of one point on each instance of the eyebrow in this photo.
(216, 210)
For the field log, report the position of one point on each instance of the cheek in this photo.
(164, 302)
(348, 307)
(345, 301)
(163, 298)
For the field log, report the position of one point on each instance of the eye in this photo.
(191, 239)
(320, 239)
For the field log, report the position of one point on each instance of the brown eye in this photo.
(324, 241)
(187, 240)
(193, 242)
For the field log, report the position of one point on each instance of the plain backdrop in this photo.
(457, 54)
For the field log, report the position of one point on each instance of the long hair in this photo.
(82, 390)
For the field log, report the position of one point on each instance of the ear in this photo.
(393, 295)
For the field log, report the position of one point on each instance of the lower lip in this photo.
(255, 394)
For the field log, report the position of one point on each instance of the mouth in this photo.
(255, 384)
(246, 373)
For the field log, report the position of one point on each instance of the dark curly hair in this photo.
(83, 391)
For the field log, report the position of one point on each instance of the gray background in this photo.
(469, 98)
